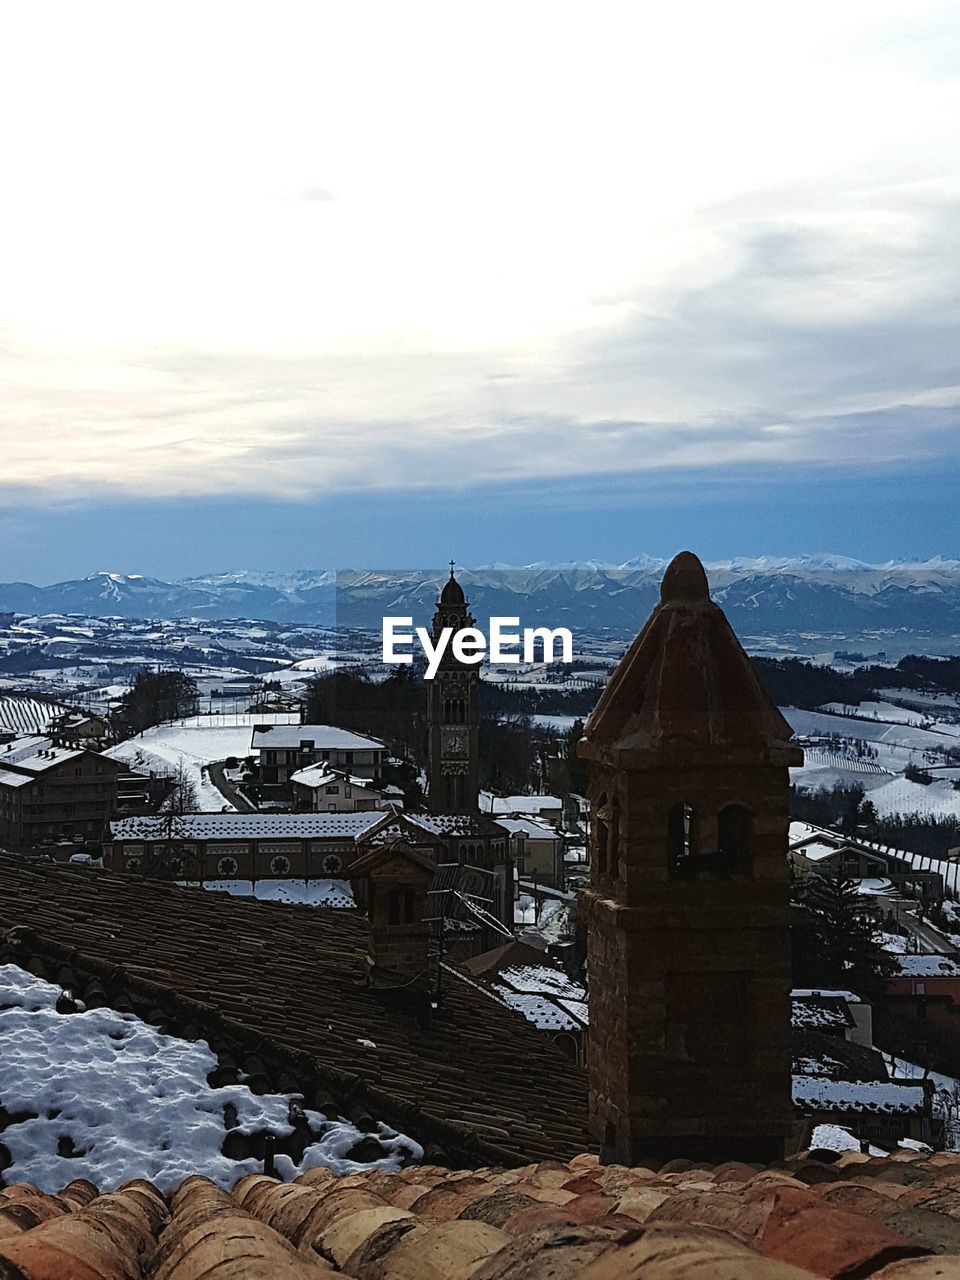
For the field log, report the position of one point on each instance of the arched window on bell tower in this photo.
(735, 834)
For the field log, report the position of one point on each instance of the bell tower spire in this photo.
(687, 909)
(453, 765)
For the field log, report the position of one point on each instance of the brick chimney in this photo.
(390, 883)
(687, 909)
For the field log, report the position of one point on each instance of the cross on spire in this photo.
(453, 565)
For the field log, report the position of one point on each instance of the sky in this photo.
(325, 284)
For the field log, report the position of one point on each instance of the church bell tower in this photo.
(687, 909)
(453, 765)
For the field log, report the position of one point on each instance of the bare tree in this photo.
(170, 860)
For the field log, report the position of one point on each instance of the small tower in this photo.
(687, 909)
(453, 764)
(391, 884)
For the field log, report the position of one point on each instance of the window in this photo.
(279, 866)
(734, 830)
(227, 867)
(332, 864)
(400, 906)
(133, 864)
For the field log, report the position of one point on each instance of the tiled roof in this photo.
(247, 826)
(889, 1219)
(292, 975)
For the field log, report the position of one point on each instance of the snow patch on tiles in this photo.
(133, 1103)
(310, 893)
(817, 1093)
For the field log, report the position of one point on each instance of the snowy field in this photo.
(110, 1098)
(195, 742)
(896, 737)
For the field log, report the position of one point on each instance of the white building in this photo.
(285, 749)
(320, 789)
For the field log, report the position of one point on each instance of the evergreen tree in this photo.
(835, 940)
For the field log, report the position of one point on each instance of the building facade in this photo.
(54, 795)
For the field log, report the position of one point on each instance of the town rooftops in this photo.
(321, 737)
(856, 1216)
(293, 977)
(246, 826)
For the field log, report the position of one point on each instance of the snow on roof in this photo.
(536, 828)
(804, 993)
(542, 979)
(320, 774)
(928, 966)
(322, 737)
(310, 893)
(820, 1013)
(453, 824)
(246, 826)
(133, 1102)
(816, 850)
(490, 803)
(8, 779)
(38, 754)
(544, 1013)
(817, 1093)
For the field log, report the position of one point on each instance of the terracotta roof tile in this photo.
(729, 1222)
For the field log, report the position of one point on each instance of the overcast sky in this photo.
(323, 253)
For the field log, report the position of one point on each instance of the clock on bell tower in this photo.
(453, 767)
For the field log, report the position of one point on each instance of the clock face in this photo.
(453, 742)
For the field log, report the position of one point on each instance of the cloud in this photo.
(647, 253)
(315, 195)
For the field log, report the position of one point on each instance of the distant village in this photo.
(261, 803)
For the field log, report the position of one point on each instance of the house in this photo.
(547, 808)
(319, 788)
(53, 795)
(536, 849)
(285, 749)
(820, 851)
(245, 846)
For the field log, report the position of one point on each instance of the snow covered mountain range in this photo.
(775, 595)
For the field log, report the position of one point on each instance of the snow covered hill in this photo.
(829, 594)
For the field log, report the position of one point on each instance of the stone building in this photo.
(453, 750)
(54, 795)
(688, 902)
